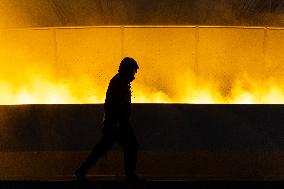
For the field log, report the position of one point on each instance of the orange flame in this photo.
(177, 64)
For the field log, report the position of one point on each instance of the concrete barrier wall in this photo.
(159, 127)
(176, 141)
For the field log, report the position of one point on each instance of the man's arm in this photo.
(116, 104)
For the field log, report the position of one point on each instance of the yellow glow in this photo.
(177, 64)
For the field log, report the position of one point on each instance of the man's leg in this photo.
(99, 150)
(128, 142)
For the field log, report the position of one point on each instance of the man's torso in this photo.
(118, 101)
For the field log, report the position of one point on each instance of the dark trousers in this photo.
(125, 137)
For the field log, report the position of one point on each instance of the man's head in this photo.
(128, 68)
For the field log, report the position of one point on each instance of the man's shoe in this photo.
(135, 178)
(80, 176)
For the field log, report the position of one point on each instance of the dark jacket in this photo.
(117, 104)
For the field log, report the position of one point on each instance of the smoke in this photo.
(44, 13)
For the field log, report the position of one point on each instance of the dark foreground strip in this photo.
(159, 127)
(148, 185)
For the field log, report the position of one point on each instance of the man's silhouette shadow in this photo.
(116, 126)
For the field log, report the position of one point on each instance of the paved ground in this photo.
(195, 165)
(148, 185)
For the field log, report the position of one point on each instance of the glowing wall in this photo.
(182, 64)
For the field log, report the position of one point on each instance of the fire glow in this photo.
(203, 65)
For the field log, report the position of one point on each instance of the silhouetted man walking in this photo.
(116, 126)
